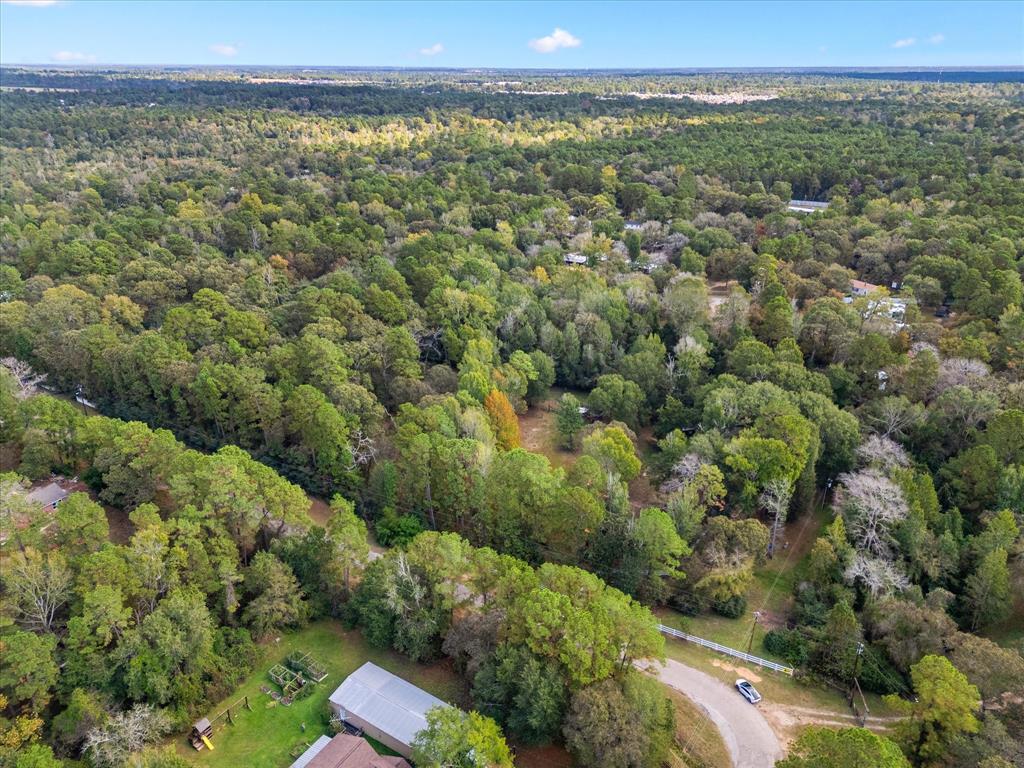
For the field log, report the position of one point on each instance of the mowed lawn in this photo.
(266, 736)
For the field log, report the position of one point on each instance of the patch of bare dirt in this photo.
(319, 511)
(121, 528)
(549, 756)
(642, 493)
(741, 671)
(788, 720)
(539, 434)
(718, 292)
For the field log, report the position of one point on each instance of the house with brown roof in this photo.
(346, 751)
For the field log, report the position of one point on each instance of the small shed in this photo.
(48, 496)
(386, 707)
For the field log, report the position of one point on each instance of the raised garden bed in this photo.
(306, 664)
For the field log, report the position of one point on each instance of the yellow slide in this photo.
(208, 743)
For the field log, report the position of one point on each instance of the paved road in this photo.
(751, 741)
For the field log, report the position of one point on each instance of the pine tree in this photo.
(568, 420)
(987, 592)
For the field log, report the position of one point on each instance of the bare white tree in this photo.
(404, 589)
(871, 505)
(27, 380)
(960, 371)
(124, 733)
(881, 577)
(892, 416)
(923, 346)
(364, 450)
(774, 500)
(682, 473)
(730, 314)
(883, 453)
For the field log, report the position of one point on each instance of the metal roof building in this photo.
(806, 206)
(316, 748)
(386, 707)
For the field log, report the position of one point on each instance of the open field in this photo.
(538, 433)
(265, 737)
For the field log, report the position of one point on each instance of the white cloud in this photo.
(72, 57)
(937, 38)
(557, 39)
(906, 42)
(224, 49)
(31, 3)
(432, 50)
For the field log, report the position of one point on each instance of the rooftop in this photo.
(48, 494)
(385, 701)
(345, 751)
(805, 206)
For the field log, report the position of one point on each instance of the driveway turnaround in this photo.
(749, 738)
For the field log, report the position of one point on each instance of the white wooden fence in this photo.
(725, 649)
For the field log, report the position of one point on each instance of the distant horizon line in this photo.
(550, 70)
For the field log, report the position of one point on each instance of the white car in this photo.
(748, 691)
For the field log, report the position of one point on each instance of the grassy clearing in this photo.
(266, 736)
(538, 430)
(699, 743)
(771, 592)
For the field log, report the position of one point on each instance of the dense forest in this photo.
(277, 290)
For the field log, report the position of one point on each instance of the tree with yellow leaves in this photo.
(503, 420)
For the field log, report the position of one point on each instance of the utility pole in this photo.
(856, 669)
(750, 640)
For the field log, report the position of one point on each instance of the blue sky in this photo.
(527, 34)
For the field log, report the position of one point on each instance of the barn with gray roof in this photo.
(384, 706)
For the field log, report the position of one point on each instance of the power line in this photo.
(887, 676)
(789, 553)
